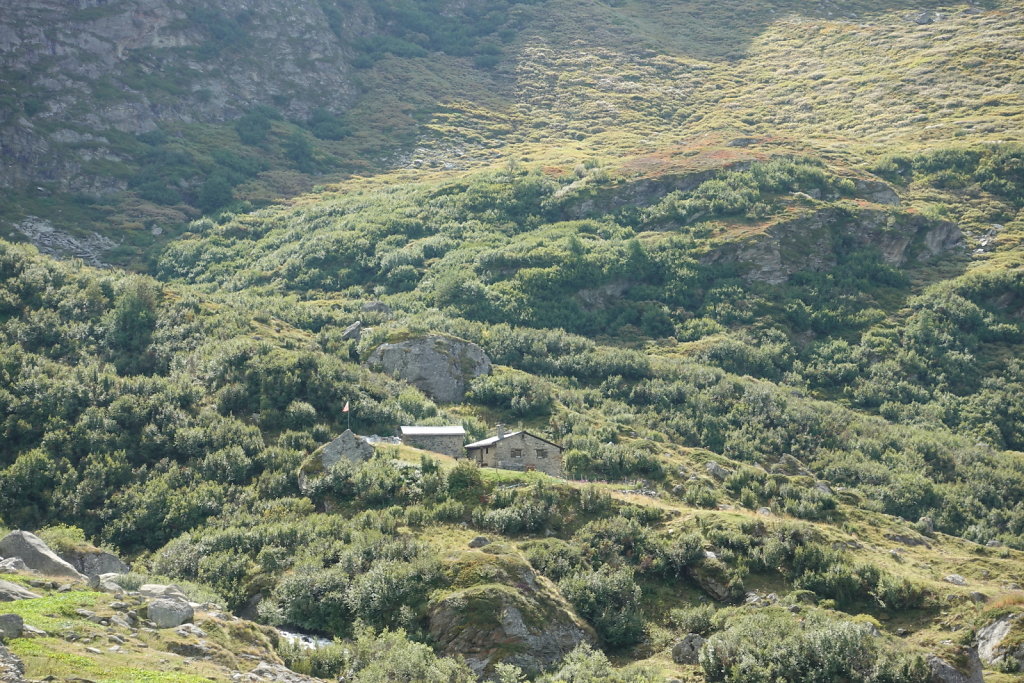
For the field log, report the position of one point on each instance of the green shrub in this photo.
(610, 600)
(772, 645)
(696, 619)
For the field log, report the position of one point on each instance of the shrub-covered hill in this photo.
(758, 267)
(746, 462)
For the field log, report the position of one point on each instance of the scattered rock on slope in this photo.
(36, 555)
(9, 592)
(15, 565)
(518, 618)
(440, 366)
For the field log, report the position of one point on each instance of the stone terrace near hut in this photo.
(446, 440)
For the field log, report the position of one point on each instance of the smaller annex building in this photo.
(517, 451)
(446, 440)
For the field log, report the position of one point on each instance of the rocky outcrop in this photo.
(11, 668)
(36, 555)
(713, 578)
(9, 592)
(48, 239)
(876, 191)
(517, 617)
(687, 650)
(440, 366)
(995, 647)
(815, 240)
(85, 68)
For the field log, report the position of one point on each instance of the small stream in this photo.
(305, 640)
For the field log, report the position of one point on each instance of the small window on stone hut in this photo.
(542, 452)
(517, 452)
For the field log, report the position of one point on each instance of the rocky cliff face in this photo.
(86, 71)
(815, 240)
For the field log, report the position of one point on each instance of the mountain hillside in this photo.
(757, 267)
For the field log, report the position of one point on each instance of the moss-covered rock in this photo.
(504, 612)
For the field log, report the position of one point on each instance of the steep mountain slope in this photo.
(758, 267)
(128, 117)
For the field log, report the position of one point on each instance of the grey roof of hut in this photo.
(433, 431)
(495, 439)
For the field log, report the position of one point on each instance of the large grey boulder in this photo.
(169, 612)
(717, 471)
(10, 592)
(440, 366)
(36, 555)
(353, 331)
(349, 447)
(712, 577)
(687, 650)
(11, 626)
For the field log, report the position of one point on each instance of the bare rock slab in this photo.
(36, 555)
(10, 592)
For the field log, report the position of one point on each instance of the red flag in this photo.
(345, 409)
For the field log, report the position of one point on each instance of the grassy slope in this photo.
(154, 656)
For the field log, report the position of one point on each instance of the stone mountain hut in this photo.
(517, 451)
(446, 440)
